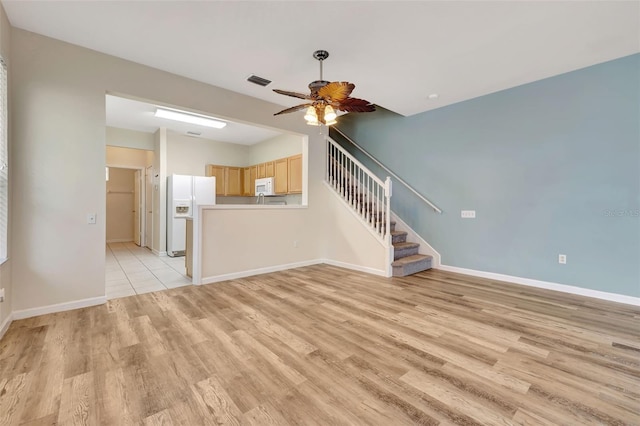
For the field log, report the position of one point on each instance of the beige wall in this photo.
(265, 239)
(5, 268)
(129, 138)
(159, 245)
(120, 205)
(187, 155)
(346, 239)
(281, 146)
(58, 122)
(276, 237)
(128, 158)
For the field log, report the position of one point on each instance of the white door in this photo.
(137, 204)
(148, 202)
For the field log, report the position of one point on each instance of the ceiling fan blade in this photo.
(336, 91)
(356, 105)
(294, 94)
(293, 109)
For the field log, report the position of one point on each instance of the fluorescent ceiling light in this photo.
(200, 120)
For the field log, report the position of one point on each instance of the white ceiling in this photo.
(136, 115)
(397, 53)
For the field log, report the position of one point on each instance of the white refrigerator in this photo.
(184, 193)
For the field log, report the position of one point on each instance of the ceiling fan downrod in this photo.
(314, 86)
(321, 55)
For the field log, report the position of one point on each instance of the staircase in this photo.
(369, 197)
(406, 259)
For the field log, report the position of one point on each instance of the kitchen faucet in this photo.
(260, 196)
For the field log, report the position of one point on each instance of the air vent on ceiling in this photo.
(258, 80)
(190, 133)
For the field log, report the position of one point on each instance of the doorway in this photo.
(122, 212)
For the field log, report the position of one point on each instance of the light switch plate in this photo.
(91, 218)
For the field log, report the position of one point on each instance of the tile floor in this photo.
(135, 270)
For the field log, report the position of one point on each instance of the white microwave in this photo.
(265, 186)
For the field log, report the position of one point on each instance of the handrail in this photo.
(433, 206)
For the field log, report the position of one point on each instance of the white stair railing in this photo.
(367, 195)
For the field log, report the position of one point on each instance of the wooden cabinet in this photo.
(270, 169)
(247, 183)
(240, 181)
(253, 174)
(233, 181)
(281, 174)
(228, 179)
(219, 173)
(294, 175)
(262, 171)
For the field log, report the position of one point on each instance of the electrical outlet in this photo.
(468, 214)
(1, 294)
(91, 218)
(562, 259)
(295, 243)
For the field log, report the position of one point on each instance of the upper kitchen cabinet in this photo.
(247, 183)
(294, 175)
(281, 175)
(270, 169)
(253, 175)
(219, 173)
(228, 179)
(233, 181)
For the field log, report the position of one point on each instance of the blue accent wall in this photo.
(551, 167)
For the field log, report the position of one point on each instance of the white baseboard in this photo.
(425, 247)
(59, 307)
(258, 271)
(613, 297)
(5, 325)
(159, 253)
(277, 268)
(120, 240)
(353, 267)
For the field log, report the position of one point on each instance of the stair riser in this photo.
(401, 238)
(400, 253)
(411, 268)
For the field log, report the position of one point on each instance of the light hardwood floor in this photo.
(325, 346)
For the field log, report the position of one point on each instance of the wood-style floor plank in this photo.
(323, 345)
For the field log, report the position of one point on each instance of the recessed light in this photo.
(185, 117)
(433, 96)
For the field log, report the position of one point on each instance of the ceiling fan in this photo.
(325, 98)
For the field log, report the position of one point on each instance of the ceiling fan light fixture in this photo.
(329, 114)
(311, 116)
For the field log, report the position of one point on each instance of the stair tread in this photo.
(405, 245)
(398, 232)
(410, 259)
